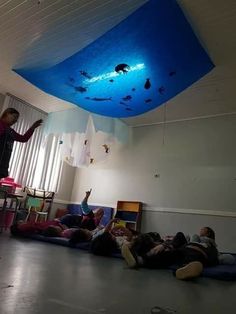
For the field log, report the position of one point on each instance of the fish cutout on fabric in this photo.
(161, 90)
(106, 147)
(147, 84)
(122, 68)
(127, 98)
(80, 89)
(99, 99)
(85, 74)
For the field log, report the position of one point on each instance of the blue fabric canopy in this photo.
(138, 65)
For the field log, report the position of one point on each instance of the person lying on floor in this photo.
(88, 220)
(57, 227)
(190, 257)
(21, 228)
(112, 239)
(74, 234)
(85, 235)
(148, 243)
(50, 229)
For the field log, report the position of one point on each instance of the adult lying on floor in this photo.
(190, 257)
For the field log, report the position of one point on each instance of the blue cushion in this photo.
(222, 272)
(60, 241)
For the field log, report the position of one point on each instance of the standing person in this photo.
(8, 136)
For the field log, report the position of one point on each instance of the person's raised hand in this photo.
(37, 124)
(88, 192)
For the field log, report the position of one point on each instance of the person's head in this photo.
(80, 235)
(10, 116)
(207, 232)
(52, 231)
(104, 245)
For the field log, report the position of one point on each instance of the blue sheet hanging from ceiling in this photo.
(138, 65)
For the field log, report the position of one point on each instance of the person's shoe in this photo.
(129, 257)
(191, 270)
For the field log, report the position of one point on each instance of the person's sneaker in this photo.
(191, 270)
(129, 257)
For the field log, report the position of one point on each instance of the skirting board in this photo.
(186, 211)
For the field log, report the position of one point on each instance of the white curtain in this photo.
(48, 172)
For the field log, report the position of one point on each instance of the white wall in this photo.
(170, 223)
(66, 183)
(196, 168)
(2, 97)
(63, 196)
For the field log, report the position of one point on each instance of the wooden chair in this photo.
(33, 205)
(39, 202)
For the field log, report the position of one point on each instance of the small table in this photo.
(13, 198)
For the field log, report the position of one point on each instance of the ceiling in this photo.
(41, 33)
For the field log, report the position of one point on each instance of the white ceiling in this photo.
(52, 30)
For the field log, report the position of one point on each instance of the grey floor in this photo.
(40, 278)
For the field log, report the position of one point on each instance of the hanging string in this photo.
(164, 125)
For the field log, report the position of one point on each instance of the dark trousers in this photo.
(181, 257)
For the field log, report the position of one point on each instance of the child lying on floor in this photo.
(77, 235)
(190, 257)
(84, 235)
(113, 239)
(22, 228)
(88, 220)
(63, 226)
